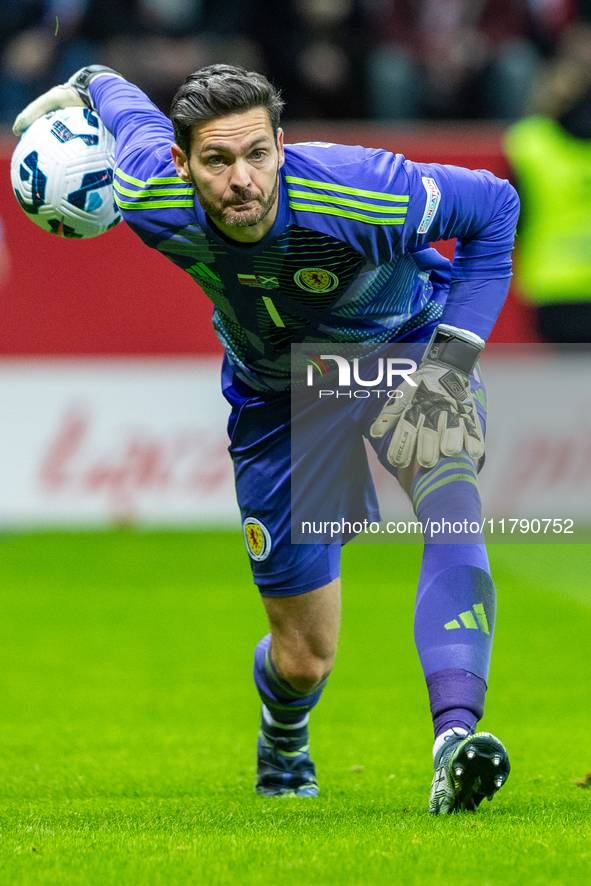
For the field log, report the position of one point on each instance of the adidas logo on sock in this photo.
(468, 620)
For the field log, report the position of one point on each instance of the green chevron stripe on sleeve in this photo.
(332, 210)
(152, 204)
(468, 620)
(452, 625)
(342, 189)
(165, 180)
(152, 192)
(341, 201)
(130, 178)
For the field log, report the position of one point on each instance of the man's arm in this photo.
(481, 211)
(128, 113)
(437, 416)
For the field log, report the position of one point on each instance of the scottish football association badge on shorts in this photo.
(257, 538)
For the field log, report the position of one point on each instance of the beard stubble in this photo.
(245, 219)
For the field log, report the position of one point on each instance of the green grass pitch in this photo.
(128, 720)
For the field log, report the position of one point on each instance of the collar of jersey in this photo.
(279, 225)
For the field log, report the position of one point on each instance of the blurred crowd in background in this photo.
(524, 62)
(388, 60)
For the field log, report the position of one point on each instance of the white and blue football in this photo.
(62, 174)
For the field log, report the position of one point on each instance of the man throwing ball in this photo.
(322, 243)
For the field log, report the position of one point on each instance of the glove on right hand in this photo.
(437, 415)
(64, 96)
(73, 94)
(436, 418)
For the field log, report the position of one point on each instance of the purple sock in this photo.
(283, 703)
(456, 603)
(456, 698)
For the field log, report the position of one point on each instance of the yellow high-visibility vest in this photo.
(553, 171)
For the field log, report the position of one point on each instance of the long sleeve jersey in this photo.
(348, 258)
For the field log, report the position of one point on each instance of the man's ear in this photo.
(280, 148)
(181, 162)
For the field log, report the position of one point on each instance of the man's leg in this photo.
(287, 466)
(454, 624)
(291, 667)
(304, 634)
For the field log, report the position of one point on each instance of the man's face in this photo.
(234, 167)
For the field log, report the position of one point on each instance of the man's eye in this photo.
(215, 161)
(258, 155)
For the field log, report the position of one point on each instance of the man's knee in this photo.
(304, 631)
(304, 672)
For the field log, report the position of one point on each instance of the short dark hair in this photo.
(218, 90)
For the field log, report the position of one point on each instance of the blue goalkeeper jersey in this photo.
(348, 258)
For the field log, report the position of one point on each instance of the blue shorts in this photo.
(261, 430)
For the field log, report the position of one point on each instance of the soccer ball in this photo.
(62, 174)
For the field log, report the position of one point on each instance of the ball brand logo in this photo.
(388, 370)
(63, 134)
(257, 538)
(316, 280)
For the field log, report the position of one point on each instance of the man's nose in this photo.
(240, 177)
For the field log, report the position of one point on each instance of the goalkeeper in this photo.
(322, 243)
